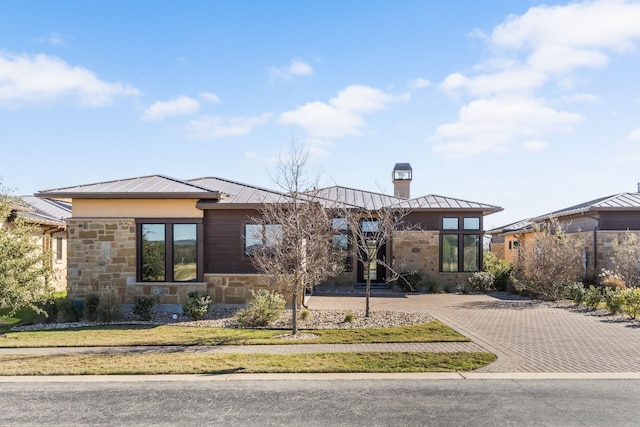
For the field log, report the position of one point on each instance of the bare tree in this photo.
(294, 234)
(626, 258)
(548, 261)
(371, 231)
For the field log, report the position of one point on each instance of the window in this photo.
(460, 249)
(341, 243)
(59, 248)
(169, 251)
(261, 237)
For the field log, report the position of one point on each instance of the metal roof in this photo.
(153, 186)
(356, 198)
(620, 201)
(524, 224)
(236, 192)
(44, 211)
(433, 201)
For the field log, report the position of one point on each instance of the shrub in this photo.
(610, 279)
(143, 307)
(482, 281)
(349, 318)
(89, 312)
(197, 304)
(576, 292)
(305, 314)
(108, 309)
(67, 310)
(592, 296)
(433, 287)
(264, 307)
(614, 300)
(49, 311)
(631, 298)
(409, 281)
(501, 270)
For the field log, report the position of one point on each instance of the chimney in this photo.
(639, 187)
(402, 175)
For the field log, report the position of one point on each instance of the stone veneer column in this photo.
(101, 253)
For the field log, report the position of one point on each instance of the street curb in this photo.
(431, 376)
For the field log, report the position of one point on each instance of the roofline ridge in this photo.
(255, 187)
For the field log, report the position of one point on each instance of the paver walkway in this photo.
(526, 335)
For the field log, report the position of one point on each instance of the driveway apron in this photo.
(526, 335)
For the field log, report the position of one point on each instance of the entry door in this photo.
(377, 272)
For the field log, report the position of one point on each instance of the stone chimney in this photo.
(402, 175)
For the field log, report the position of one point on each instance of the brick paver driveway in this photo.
(527, 336)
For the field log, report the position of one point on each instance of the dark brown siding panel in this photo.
(224, 244)
(620, 220)
(424, 220)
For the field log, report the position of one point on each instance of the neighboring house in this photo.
(50, 217)
(156, 235)
(597, 223)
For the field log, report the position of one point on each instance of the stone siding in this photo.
(420, 251)
(235, 288)
(101, 254)
(605, 246)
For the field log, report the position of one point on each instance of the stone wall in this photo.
(101, 254)
(415, 250)
(235, 288)
(605, 246)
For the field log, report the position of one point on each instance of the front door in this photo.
(377, 272)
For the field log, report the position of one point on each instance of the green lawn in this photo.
(189, 363)
(127, 335)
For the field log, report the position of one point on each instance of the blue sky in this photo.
(526, 105)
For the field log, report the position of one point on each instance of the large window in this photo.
(169, 251)
(460, 249)
(261, 237)
(341, 243)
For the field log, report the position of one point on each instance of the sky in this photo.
(530, 106)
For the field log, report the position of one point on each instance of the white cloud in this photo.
(179, 106)
(209, 97)
(342, 115)
(37, 79)
(493, 124)
(295, 69)
(54, 39)
(213, 127)
(534, 145)
(635, 135)
(581, 98)
(419, 83)
(545, 46)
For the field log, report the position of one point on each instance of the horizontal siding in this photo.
(620, 220)
(224, 244)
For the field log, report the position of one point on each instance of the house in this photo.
(596, 223)
(156, 235)
(49, 216)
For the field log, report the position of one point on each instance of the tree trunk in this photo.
(294, 312)
(367, 291)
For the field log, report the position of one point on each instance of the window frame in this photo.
(461, 233)
(169, 269)
(264, 236)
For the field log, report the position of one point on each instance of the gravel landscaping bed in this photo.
(224, 318)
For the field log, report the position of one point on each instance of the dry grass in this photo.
(141, 335)
(190, 363)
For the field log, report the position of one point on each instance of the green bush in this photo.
(349, 318)
(631, 298)
(482, 281)
(501, 270)
(409, 281)
(67, 310)
(89, 312)
(49, 313)
(576, 292)
(143, 306)
(305, 314)
(592, 296)
(197, 304)
(433, 287)
(614, 300)
(264, 307)
(108, 308)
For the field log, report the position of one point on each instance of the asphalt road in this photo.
(389, 402)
